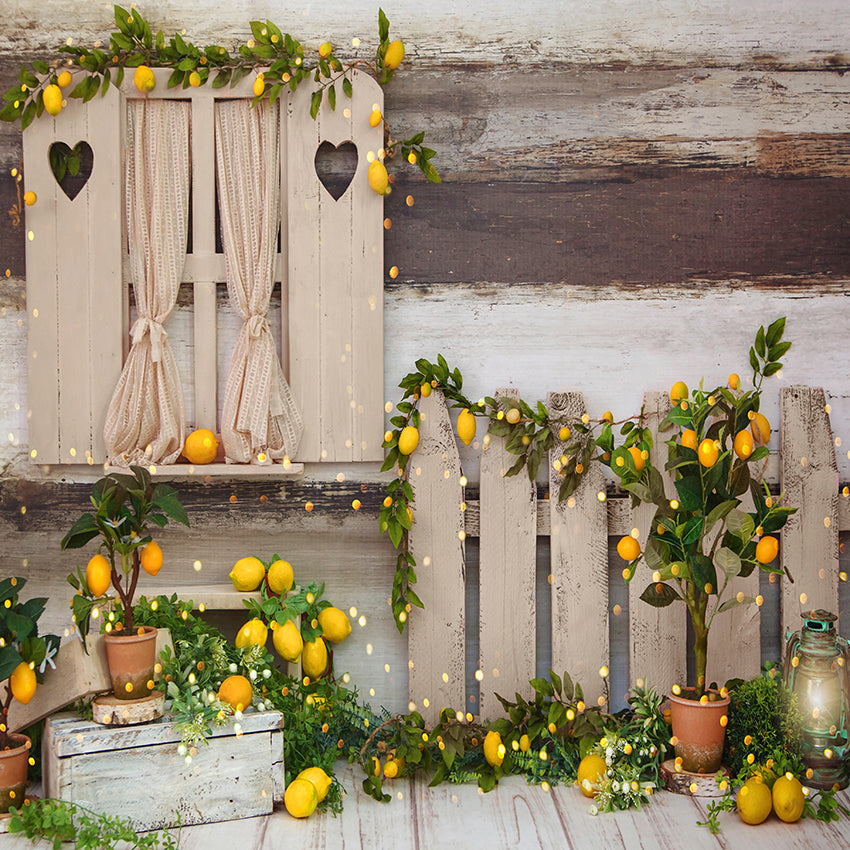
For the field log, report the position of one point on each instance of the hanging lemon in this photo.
(151, 558)
(98, 575)
(394, 55)
(494, 749)
(287, 640)
(314, 658)
(144, 79)
(280, 577)
(22, 682)
(52, 99)
(201, 446)
(408, 440)
(378, 177)
(254, 632)
(466, 426)
(336, 626)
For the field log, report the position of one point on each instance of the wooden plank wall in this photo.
(628, 193)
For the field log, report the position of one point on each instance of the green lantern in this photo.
(817, 670)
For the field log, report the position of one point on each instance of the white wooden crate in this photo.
(137, 773)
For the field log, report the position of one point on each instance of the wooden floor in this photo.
(515, 815)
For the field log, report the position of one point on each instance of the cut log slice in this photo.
(108, 710)
(694, 784)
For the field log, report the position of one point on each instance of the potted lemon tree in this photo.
(125, 509)
(23, 656)
(701, 538)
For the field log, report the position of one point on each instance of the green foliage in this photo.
(58, 821)
(307, 604)
(125, 508)
(763, 719)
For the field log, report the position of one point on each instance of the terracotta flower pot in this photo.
(699, 729)
(13, 771)
(131, 660)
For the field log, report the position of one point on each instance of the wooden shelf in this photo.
(214, 597)
(220, 470)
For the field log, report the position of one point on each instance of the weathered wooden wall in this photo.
(629, 191)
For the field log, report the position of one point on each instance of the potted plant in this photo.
(701, 539)
(23, 656)
(125, 506)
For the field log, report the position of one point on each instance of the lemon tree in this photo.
(23, 652)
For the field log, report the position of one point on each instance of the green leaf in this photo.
(383, 26)
(728, 561)
(761, 349)
(734, 603)
(740, 524)
(774, 352)
(771, 369)
(703, 572)
(315, 103)
(689, 489)
(221, 79)
(29, 115)
(719, 512)
(754, 361)
(775, 331)
(332, 97)
(41, 67)
(346, 87)
(659, 595)
(543, 687)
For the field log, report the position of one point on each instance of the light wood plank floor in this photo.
(514, 815)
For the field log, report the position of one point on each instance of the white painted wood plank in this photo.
(436, 640)
(809, 542)
(657, 645)
(506, 577)
(205, 327)
(579, 562)
(227, 470)
(367, 276)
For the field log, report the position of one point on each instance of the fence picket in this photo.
(579, 558)
(436, 641)
(507, 568)
(809, 481)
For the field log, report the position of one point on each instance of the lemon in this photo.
(378, 177)
(64, 79)
(280, 577)
(734, 381)
(253, 632)
(151, 558)
(301, 798)
(788, 798)
(466, 426)
(761, 428)
(325, 50)
(425, 390)
(637, 457)
(201, 446)
(591, 771)
(628, 548)
(237, 692)
(708, 452)
(375, 118)
(321, 781)
(30, 198)
(194, 79)
(394, 55)
(22, 682)
(408, 440)
(144, 79)
(393, 767)
(689, 438)
(314, 658)
(494, 749)
(743, 444)
(754, 801)
(259, 85)
(512, 416)
(767, 549)
(376, 766)
(678, 391)
(524, 743)
(287, 640)
(411, 157)
(564, 434)
(247, 573)
(335, 624)
(98, 575)
(52, 99)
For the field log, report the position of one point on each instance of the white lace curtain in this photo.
(260, 418)
(146, 419)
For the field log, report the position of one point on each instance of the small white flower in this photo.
(615, 786)
(261, 706)
(594, 810)
(188, 759)
(233, 668)
(252, 675)
(267, 673)
(181, 749)
(609, 751)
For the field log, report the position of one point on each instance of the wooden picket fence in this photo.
(508, 519)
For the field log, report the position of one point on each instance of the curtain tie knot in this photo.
(257, 325)
(158, 334)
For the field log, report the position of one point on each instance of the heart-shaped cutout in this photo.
(71, 166)
(336, 166)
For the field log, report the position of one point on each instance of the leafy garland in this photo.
(530, 433)
(280, 56)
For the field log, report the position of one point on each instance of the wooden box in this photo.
(137, 773)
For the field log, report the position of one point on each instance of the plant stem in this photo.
(700, 647)
(5, 741)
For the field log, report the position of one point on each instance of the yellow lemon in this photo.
(237, 692)
(194, 79)
(754, 801)
(494, 749)
(761, 428)
(591, 771)
(336, 626)
(287, 640)
(767, 549)
(708, 452)
(301, 798)
(321, 781)
(628, 548)
(52, 99)
(22, 682)
(393, 767)
(734, 381)
(30, 198)
(151, 558)
(280, 577)
(743, 444)
(375, 118)
(64, 79)
(98, 575)
(408, 440)
(466, 426)
(637, 457)
(394, 55)
(325, 50)
(689, 438)
(144, 79)
(247, 573)
(512, 416)
(678, 391)
(253, 632)
(425, 390)
(788, 798)
(378, 177)
(376, 766)
(201, 446)
(259, 85)
(314, 658)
